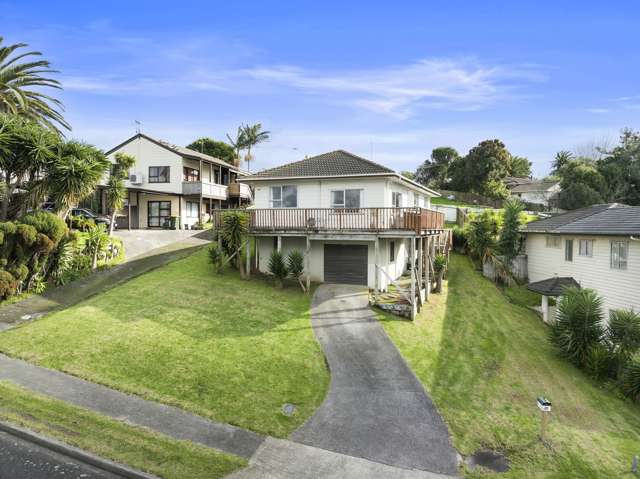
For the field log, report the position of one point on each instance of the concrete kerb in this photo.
(75, 453)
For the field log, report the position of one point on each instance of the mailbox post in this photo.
(545, 408)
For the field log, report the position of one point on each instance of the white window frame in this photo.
(585, 248)
(556, 243)
(568, 250)
(277, 203)
(343, 205)
(396, 199)
(192, 205)
(619, 254)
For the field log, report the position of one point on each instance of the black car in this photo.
(90, 215)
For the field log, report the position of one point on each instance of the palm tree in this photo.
(115, 185)
(238, 144)
(16, 81)
(253, 135)
(74, 174)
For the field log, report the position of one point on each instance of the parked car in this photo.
(90, 215)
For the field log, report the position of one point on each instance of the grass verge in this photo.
(134, 446)
(231, 350)
(484, 360)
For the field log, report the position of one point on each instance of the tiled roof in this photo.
(553, 286)
(334, 163)
(606, 219)
(533, 186)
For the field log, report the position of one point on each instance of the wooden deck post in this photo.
(427, 270)
(279, 243)
(248, 255)
(414, 301)
(420, 267)
(307, 263)
(256, 240)
(376, 281)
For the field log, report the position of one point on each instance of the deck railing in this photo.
(340, 219)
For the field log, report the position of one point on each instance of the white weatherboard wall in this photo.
(147, 154)
(376, 192)
(395, 269)
(620, 289)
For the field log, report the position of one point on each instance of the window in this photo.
(392, 251)
(585, 248)
(619, 254)
(192, 209)
(568, 250)
(552, 241)
(345, 199)
(190, 174)
(158, 174)
(158, 212)
(284, 197)
(396, 199)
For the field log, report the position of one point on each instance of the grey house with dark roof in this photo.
(598, 247)
(355, 220)
(538, 192)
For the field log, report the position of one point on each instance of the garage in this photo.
(345, 264)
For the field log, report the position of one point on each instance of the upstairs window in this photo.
(585, 248)
(396, 199)
(552, 241)
(190, 174)
(619, 254)
(568, 250)
(392, 251)
(284, 196)
(345, 199)
(159, 174)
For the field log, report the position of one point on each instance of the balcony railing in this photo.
(206, 189)
(419, 220)
(239, 189)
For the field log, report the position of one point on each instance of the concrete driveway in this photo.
(137, 242)
(376, 408)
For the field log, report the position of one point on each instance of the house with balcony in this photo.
(173, 181)
(356, 222)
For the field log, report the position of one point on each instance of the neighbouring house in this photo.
(536, 192)
(173, 181)
(597, 247)
(356, 221)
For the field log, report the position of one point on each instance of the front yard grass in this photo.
(135, 446)
(484, 360)
(231, 350)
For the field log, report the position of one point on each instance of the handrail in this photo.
(341, 219)
(401, 290)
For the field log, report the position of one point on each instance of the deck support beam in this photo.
(412, 255)
(279, 245)
(376, 286)
(307, 265)
(248, 257)
(420, 268)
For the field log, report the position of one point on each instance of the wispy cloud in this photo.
(457, 84)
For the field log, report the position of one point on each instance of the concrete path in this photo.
(64, 296)
(278, 459)
(139, 242)
(168, 420)
(376, 408)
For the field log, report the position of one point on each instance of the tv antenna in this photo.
(138, 125)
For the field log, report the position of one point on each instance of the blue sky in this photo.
(386, 80)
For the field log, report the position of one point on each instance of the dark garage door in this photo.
(345, 263)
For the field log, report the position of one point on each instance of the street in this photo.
(20, 459)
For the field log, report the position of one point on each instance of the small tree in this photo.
(623, 336)
(116, 191)
(216, 257)
(578, 327)
(97, 240)
(235, 227)
(439, 266)
(510, 236)
(630, 380)
(481, 235)
(277, 267)
(295, 265)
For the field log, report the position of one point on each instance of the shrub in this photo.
(481, 234)
(277, 267)
(459, 238)
(295, 265)
(44, 245)
(623, 334)
(601, 363)
(26, 234)
(578, 327)
(630, 380)
(63, 261)
(234, 229)
(46, 223)
(216, 256)
(20, 272)
(510, 236)
(8, 284)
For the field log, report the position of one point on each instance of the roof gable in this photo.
(534, 186)
(605, 219)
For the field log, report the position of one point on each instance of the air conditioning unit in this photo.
(136, 178)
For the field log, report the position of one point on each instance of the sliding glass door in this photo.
(158, 212)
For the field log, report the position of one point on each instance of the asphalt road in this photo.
(20, 459)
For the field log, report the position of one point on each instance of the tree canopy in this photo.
(217, 149)
(434, 172)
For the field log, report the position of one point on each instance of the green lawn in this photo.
(484, 360)
(228, 349)
(441, 200)
(137, 447)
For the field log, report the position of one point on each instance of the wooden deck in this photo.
(368, 220)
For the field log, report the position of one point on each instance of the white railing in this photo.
(209, 190)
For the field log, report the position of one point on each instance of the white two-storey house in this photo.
(355, 221)
(173, 181)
